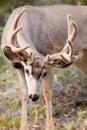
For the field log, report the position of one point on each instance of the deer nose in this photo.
(34, 97)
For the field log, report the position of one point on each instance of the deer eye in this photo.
(27, 71)
(44, 73)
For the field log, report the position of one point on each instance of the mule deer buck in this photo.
(34, 41)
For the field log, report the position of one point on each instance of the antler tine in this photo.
(71, 49)
(67, 57)
(19, 13)
(15, 31)
(17, 50)
(72, 31)
(13, 35)
(73, 35)
(69, 25)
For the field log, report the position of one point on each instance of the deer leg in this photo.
(48, 80)
(24, 97)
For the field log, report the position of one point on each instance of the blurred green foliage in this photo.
(3, 64)
(8, 5)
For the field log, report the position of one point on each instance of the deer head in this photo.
(35, 67)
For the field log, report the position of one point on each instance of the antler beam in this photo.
(15, 31)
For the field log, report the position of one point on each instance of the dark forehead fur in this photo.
(37, 68)
(37, 63)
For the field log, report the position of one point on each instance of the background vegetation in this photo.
(69, 95)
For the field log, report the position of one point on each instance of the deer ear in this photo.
(9, 53)
(13, 57)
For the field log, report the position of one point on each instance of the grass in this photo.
(72, 75)
(6, 122)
